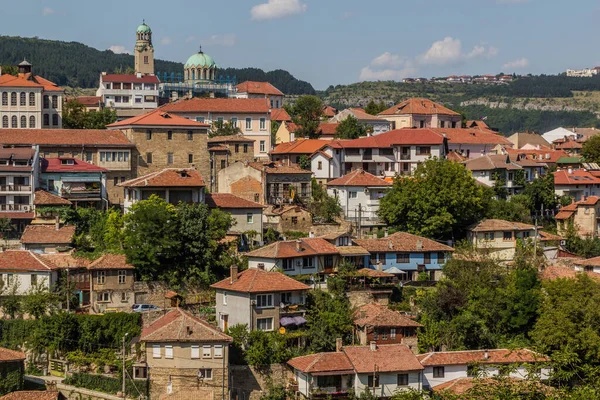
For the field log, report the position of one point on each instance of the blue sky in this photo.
(330, 42)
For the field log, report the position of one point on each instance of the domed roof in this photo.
(200, 60)
(143, 28)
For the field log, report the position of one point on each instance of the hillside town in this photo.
(185, 236)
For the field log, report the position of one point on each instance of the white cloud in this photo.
(481, 51)
(47, 11)
(446, 51)
(118, 49)
(388, 59)
(516, 64)
(388, 74)
(226, 40)
(277, 9)
(190, 39)
(166, 41)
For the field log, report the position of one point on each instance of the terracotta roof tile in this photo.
(231, 105)
(352, 251)
(387, 357)
(491, 162)
(373, 273)
(259, 281)
(111, 261)
(329, 111)
(374, 314)
(227, 200)
(252, 87)
(159, 117)
(328, 128)
(23, 260)
(561, 215)
(10, 355)
(130, 78)
(64, 260)
(402, 242)
(43, 198)
(32, 395)
(169, 177)
(418, 106)
(89, 101)
(362, 115)
(300, 146)
(289, 248)
(553, 272)
(491, 225)
(461, 386)
(47, 234)
(392, 138)
(27, 80)
(64, 137)
(56, 165)
(477, 123)
(323, 363)
(576, 177)
(359, 177)
(471, 136)
(181, 326)
(17, 215)
(280, 115)
(590, 262)
(496, 356)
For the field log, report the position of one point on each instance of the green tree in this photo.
(224, 129)
(541, 192)
(328, 317)
(306, 113)
(439, 201)
(38, 300)
(515, 209)
(11, 302)
(76, 116)
(375, 108)
(350, 128)
(304, 162)
(323, 206)
(591, 149)
(100, 119)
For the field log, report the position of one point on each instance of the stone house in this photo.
(248, 215)
(111, 283)
(374, 322)
(260, 300)
(76, 268)
(226, 150)
(284, 219)
(12, 370)
(473, 142)
(498, 238)
(421, 113)
(185, 355)
(290, 153)
(47, 238)
(286, 133)
(26, 270)
(583, 215)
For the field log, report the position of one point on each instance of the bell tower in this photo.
(144, 51)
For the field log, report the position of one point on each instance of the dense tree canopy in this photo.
(591, 149)
(350, 128)
(75, 116)
(306, 114)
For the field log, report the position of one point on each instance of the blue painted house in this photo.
(406, 255)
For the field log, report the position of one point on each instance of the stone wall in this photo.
(186, 382)
(75, 393)
(250, 383)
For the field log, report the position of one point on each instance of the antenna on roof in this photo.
(200, 50)
(143, 21)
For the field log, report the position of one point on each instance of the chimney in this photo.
(385, 232)
(486, 355)
(379, 266)
(57, 223)
(298, 245)
(570, 171)
(419, 245)
(311, 234)
(373, 346)
(233, 273)
(338, 344)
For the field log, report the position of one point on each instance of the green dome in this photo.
(200, 60)
(143, 28)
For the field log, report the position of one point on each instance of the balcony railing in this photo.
(292, 309)
(15, 188)
(404, 156)
(15, 207)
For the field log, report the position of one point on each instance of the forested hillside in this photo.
(77, 65)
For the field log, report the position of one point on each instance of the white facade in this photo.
(30, 108)
(170, 195)
(451, 372)
(26, 280)
(353, 197)
(325, 168)
(583, 73)
(290, 266)
(473, 150)
(131, 93)
(388, 383)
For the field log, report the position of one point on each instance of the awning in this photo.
(81, 179)
(394, 270)
(299, 320)
(287, 321)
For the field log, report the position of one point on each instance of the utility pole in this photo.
(124, 371)
(359, 220)
(68, 288)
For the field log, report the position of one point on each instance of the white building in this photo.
(129, 94)
(374, 124)
(29, 101)
(583, 73)
(498, 238)
(25, 270)
(260, 90)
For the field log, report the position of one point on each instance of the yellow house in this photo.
(498, 237)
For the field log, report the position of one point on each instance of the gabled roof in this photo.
(575, 177)
(362, 115)
(520, 139)
(181, 326)
(373, 273)
(27, 80)
(48, 234)
(289, 249)
(300, 146)
(111, 261)
(491, 162)
(359, 177)
(64, 137)
(274, 168)
(471, 136)
(476, 123)
(402, 242)
(256, 280)
(43, 198)
(328, 128)
(495, 356)
(589, 262)
(129, 78)
(230, 105)
(168, 177)
(329, 111)
(387, 358)
(280, 115)
(88, 101)
(542, 155)
(374, 314)
(492, 225)
(158, 117)
(56, 165)
(64, 260)
(11, 355)
(252, 87)
(229, 201)
(323, 364)
(392, 138)
(418, 106)
(23, 260)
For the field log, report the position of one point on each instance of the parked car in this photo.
(144, 308)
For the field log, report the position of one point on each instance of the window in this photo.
(234, 122)
(46, 101)
(88, 155)
(123, 297)
(122, 276)
(237, 148)
(438, 372)
(294, 220)
(381, 258)
(402, 379)
(4, 98)
(206, 351)
(54, 119)
(224, 299)
(384, 335)
(307, 262)
(205, 373)
(218, 351)
(427, 257)
(190, 135)
(5, 121)
(13, 122)
(169, 158)
(200, 119)
(248, 124)
(328, 262)
(149, 158)
(145, 59)
(441, 257)
(33, 279)
(169, 351)
(222, 164)
(46, 119)
(100, 277)
(140, 373)
(245, 148)
(195, 351)
(13, 99)
(392, 333)
(256, 197)
(155, 351)
(23, 121)
(249, 218)
(320, 165)
(489, 236)
(148, 134)
(169, 135)
(264, 324)
(190, 158)
(263, 124)
(22, 99)
(373, 381)
(264, 300)
(507, 236)
(263, 146)
(116, 180)
(402, 258)
(55, 101)
(103, 297)
(286, 297)
(352, 195)
(287, 264)
(423, 150)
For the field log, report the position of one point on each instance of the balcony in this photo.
(404, 156)
(15, 207)
(288, 309)
(15, 188)
(75, 194)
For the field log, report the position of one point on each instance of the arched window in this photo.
(13, 99)
(31, 99)
(13, 122)
(4, 98)
(46, 101)
(23, 121)
(46, 119)
(193, 74)
(22, 99)
(54, 119)
(55, 101)
(32, 122)
(5, 121)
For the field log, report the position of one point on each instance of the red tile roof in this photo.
(10, 355)
(226, 200)
(328, 128)
(64, 260)
(181, 326)
(130, 78)
(301, 146)
(590, 262)
(273, 168)
(289, 249)
(418, 106)
(43, 198)
(491, 162)
(329, 111)
(552, 272)
(23, 260)
(64, 137)
(374, 314)
(48, 234)
(477, 123)
(89, 101)
(471, 136)
(56, 165)
(361, 115)
(32, 395)
(323, 364)
(111, 261)
(372, 273)
(402, 242)
(567, 212)
(158, 117)
(387, 358)
(252, 87)
(169, 177)
(576, 177)
(255, 280)
(491, 225)
(544, 155)
(17, 215)
(359, 177)
(201, 105)
(280, 115)
(391, 138)
(495, 356)
(27, 80)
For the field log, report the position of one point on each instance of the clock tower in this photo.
(144, 51)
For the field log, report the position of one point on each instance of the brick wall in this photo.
(248, 188)
(249, 383)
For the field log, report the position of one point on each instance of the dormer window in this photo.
(67, 161)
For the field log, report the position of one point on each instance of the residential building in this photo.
(421, 113)
(474, 142)
(226, 150)
(583, 214)
(279, 115)
(184, 356)
(12, 371)
(292, 153)
(377, 323)
(558, 133)
(82, 183)
(374, 124)
(265, 183)
(260, 90)
(251, 116)
(287, 218)
(521, 139)
(76, 269)
(411, 254)
(111, 283)
(583, 73)
(47, 206)
(128, 94)
(91, 103)
(578, 184)
(359, 193)
(445, 366)
(171, 184)
(165, 140)
(383, 370)
(542, 155)
(47, 238)
(260, 300)
(287, 132)
(29, 101)
(25, 269)
(329, 111)
(144, 50)
(498, 238)
(246, 214)
(476, 123)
